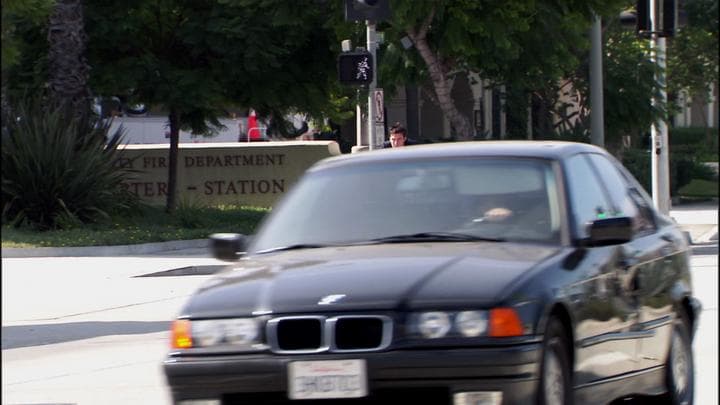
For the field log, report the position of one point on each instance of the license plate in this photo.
(327, 379)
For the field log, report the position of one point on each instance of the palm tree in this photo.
(68, 69)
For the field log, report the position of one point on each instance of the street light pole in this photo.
(659, 156)
(597, 121)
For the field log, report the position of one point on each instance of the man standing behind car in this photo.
(398, 137)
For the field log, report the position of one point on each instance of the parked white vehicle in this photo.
(155, 130)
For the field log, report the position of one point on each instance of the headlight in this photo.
(471, 323)
(241, 331)
(235, 332)
(206, 333)
(439, 324)
(434, 324)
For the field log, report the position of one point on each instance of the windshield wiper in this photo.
(435, 237)
(294, 247)
(414, 237)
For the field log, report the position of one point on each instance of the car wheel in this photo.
(555, 370)
(679, 367)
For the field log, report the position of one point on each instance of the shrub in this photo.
(684, 167)
(58, 170)
(699, 141)
(699, 188)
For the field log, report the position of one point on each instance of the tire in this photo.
(555, 386)
(679, 367)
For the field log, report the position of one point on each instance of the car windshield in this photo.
(453, 200)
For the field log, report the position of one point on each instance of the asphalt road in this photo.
(90, 330)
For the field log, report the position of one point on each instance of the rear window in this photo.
(498, 179)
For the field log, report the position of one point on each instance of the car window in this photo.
(365, 202)
(625, 203)
(641, 198)
(585, 193)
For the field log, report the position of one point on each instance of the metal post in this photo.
(659, 159)
(664, 202)
(372, 45)
(597, 123)
(358, 120)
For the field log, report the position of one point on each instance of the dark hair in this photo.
(398, 129)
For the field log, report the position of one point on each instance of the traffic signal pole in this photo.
(370, 11)
(372, 48)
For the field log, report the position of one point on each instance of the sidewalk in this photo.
(699, 220)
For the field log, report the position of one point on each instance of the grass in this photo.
(153, 224)
(698, 188)
(148, 224)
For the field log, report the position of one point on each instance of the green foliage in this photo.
(529, 46)
(141, 225)
(699, 188)
(689, 136)
(692, 61)
(24, 47)
(699, 141)
(629, 86)
(200, 58)
(684, 167)
(17, 16)
(196, 59)
(703, 14)
(57, 169)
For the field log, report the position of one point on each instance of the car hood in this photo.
(377, 277)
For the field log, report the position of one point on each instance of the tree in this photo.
(22, 20)
(197, 58)
(692, 56)
(68, 69)
(629, 85)
(527, 44)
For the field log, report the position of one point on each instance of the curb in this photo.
(708, 237)
(94, 251)
(701, 234)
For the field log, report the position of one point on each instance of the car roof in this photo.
(554, 150)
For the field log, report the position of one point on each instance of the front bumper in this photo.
(514, 370)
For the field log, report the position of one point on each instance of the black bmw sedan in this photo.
(509, 272)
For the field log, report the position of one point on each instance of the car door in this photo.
(651, 262)
(607, 315)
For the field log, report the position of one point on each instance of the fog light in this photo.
(478, 398)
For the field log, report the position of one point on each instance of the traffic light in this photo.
(373, 10)
(355, 68)
(669, 18)
(666, 14)
(643, 15)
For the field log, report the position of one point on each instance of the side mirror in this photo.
(227, 246)
(610, 231)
